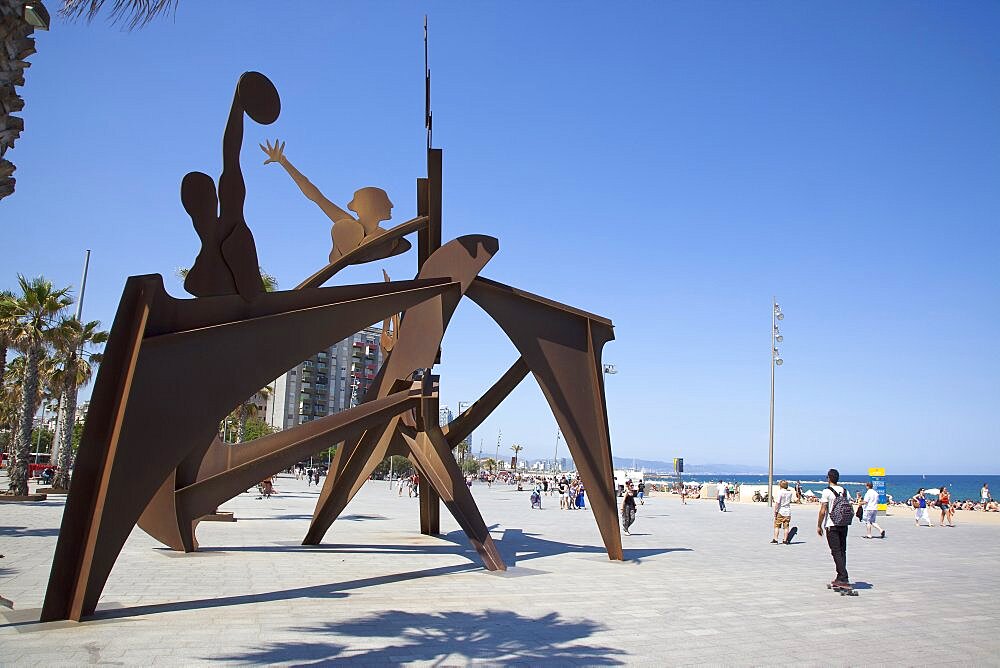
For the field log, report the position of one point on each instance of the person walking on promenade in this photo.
(947, 512)
(835, 515)
(642, 492)
(720, 491)
(871, 511)
(919, 503)
(628, 507)
(984, 495)
(782, 511)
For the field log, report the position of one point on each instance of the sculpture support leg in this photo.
(562, 347)
(430, 508)
(434, 457)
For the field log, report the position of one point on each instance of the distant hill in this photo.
(668, 467)
(658, 466)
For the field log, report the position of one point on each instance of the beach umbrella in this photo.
(935, 491)
(810, 493)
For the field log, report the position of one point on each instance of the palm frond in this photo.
(132, 13)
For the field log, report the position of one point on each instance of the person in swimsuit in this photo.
(947, 512)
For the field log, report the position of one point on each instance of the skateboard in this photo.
(844, 591)
(791, 535)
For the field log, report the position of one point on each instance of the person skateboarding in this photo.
(835, 516)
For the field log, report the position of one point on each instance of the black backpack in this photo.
(841, 510)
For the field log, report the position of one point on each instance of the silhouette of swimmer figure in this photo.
(209, 275)
(227, 262)
(371, 204)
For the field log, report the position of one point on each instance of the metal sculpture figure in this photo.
(371, 204)
(227, 262)
(161, 465)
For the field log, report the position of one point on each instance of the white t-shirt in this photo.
(827, 498)
(984, 493)
(784, 501)
(871, 500)
(721, 488)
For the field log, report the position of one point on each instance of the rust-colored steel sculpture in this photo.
(161, 464)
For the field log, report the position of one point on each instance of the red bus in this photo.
(38, 462)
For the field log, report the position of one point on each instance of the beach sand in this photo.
(895, 512)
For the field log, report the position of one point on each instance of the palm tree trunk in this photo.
(66, 437)
(241, 421)
(3, 359)
(22, 441)
(56, 436)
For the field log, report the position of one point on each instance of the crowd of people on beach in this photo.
(310, 473)
(571, 491)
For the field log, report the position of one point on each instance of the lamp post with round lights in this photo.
(776, 361)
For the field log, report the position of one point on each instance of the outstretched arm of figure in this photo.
(232, 190)
(276, 153)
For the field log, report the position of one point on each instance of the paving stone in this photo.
(698, 587)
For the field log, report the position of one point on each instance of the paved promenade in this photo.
(697, 587)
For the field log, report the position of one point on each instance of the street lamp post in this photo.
(555, 460)
(776, 361)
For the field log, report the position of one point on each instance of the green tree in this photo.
(257, 428)
(490, 464)
(36, 315)
(401, 466)
(462, 450)
(10, 394)
(77, 435)
(470, 466)
(74, 368)
(8, 305)
(41, 439)
(247, 410)
(270, 282)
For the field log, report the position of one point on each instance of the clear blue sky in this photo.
(668, 165)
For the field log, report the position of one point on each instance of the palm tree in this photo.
(270, 282)
(7, 304)
(516, 448)
(35, 316)
(10, 395)
(490, 464)
(75, 368)
(247, 410)
(134, 13)
(462, 449)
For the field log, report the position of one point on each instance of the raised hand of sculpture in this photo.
(371, 204)
(227, 262)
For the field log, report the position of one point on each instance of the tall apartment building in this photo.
(444, 415)
(325, 383)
